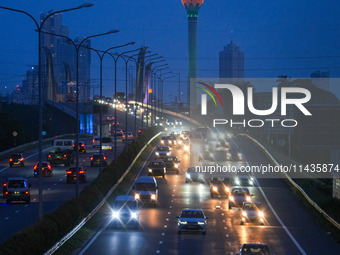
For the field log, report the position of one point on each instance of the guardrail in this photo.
(312, 203)
(23, 146)
(56, 246)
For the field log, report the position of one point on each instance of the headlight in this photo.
(157, 153)
(183, 222)
(261, 214)
(237, 181)
(250, 182)
(187, 175)
(227, 189)
(244, 214)
(180, 142)
(115, 214)
(162, 141)
(186, 147)
(134, 215)
(248, 198)
(153, 197)
(231, 198)
(176, 165)
(239, 155)
(201, 222)
(214, 188)
(136, 196)
(168, 153)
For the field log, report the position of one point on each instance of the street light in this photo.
(39, 29)
(101, 57)
(77, 47)
(162, 80)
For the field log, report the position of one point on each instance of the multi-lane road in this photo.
(289, 228)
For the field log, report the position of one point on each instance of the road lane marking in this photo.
(274, 212)
(160, 242)
(158, 251)
(6, 218)
(163, 234)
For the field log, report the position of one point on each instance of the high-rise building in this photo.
(59, 63)
(192, 7)
(30, 87)
(320, 79)
(231, 62)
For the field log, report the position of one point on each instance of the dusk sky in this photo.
(278, 37)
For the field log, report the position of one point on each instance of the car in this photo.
(254, 249)
(162, 151)
(234, 155)
(192, 220)
(46, 169)
(238, 196)
(252, 212)
(129, 136)
(244, 180)
(185, 135)
(171, 163)
(172, 140)
(119, 133)
(17, 189)
(110, 118)
(81, 147)
(125, 212)
(219, 186)
(191, 175)
(205, 155)
(71, 174)
(146, 190)
(107, 143)
(96, 141)
(59, 156)
(16, 159)
(186, 145)
(164, 140)
(95, 159)
(156, 168)
(64, 144)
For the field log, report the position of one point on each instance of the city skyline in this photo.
(297, 41)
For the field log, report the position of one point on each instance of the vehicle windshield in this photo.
(73, 169)
(249, 206)
(55, 150)
(164, 138)
(156, 164)
(240, 192)
(163, 149)
(145, 186)
(16, 184)
(125, 205)
(107, 140)
(15, 156)
(192, 214)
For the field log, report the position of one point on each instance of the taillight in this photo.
(10, 160)
(93, 141)
(35, 167)
(81, 172)
(5, 185)
(104, 158)
(21, 159)
(49, 156)
(65, 155)
(91, 158)
(49, 167)
(26, 193)
(6, 193)
(69, 172)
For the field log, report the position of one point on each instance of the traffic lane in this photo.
(230, 232)
(143, 241)
(292, 212)
(17, 216)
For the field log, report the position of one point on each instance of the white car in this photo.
(162, 151)
(191, 175)
(192, 220)
(252, 212)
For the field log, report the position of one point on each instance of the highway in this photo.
(289, 228)
(17, 215)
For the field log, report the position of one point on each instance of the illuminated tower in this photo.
(192, 7)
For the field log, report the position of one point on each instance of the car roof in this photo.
(16, 179)
(125, 198)
(238, 188)
(156, 161)
(192, 209)
(163, 146)
(252, 203)
(146, 179)
(255, 244)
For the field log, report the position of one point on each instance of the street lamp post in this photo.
(77, 47)
(158, 68)
(162, 81)
(39, 30)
